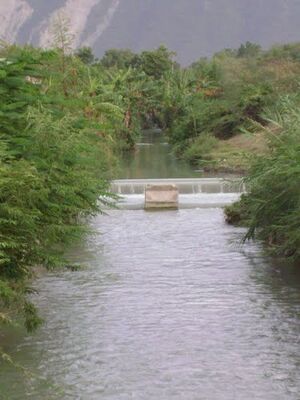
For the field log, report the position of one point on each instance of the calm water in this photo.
(169, 307)
(153, 158)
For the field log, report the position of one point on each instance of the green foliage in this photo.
(55, 165)
(286, 51)
(16, 94)
(200, 149)
(271, 209)
(237, 214)
(119, 59)
(86, 55)
(158, 62)
(249, 50)
(222, 97)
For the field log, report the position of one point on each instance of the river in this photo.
(170, 306)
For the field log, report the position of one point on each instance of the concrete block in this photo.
(161, 197)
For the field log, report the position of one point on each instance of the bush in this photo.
(54, 169)
(271, 209)
(199, 151)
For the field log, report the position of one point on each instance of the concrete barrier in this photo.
(161, 197)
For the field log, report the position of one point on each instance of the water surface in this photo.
(153, 158)
(169, 307)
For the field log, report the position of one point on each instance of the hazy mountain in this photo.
(193, 28)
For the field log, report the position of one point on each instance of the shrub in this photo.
(271, 209)
(200, 149)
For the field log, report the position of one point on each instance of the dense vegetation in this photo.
(209, 108)
(61, 124)
(271, 209)
(226, 95)
(65, 118)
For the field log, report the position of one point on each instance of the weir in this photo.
(154, 164)
(193, 192)
(185, 186)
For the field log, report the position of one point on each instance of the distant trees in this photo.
(249, 50)
(86, 55)
(157, 62)
(154, 63)
(119, 58)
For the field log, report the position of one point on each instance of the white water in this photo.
(193, 193)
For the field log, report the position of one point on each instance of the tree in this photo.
(86, 55)
(55, 163)
(249, 50)
(120, 59)
(62, 42)
(157, 62)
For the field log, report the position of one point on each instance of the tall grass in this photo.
(271, 209)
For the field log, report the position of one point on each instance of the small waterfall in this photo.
(186, 186)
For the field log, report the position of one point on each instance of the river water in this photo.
(153, 159)
(169, 306)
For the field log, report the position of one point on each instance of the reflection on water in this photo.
(169, 308)
(153, 158)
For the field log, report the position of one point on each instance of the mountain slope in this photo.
(193, 28)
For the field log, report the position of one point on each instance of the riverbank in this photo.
(235, 154)
(271, 208)
(55, 165)
(217, 110)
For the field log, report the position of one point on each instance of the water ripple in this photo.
(171, 307)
